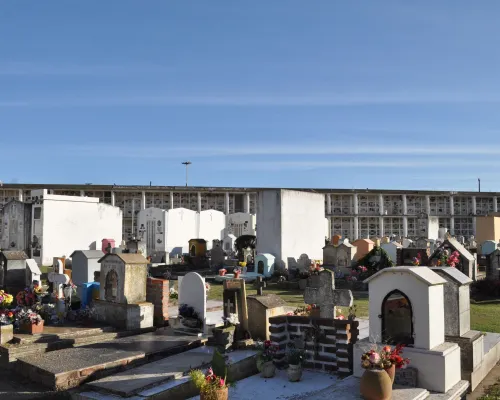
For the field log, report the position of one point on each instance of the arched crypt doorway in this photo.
(397, 319)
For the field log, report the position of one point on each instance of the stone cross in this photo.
(228, 305)
(59, 278)
(259, 285)
(321, 291)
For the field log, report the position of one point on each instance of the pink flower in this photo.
(210, 372)
(374, 358)
(221, 382)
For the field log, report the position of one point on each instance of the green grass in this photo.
(484, 317)
(491, 393)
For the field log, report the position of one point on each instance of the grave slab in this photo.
(69, 368)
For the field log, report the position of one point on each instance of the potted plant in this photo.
(211, 386)
(265, 358)
(224, 335)
(295, 357)
(376, 382)
(222, 272)
(29, 322)
(30, 296)
(237, 273)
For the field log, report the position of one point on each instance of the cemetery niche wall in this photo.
(122, 292)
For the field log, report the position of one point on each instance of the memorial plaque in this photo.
(406, 377)
(233, 284)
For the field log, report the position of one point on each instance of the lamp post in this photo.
(187, 163)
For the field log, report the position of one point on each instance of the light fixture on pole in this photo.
(187, 163)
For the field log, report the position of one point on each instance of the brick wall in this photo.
(158, 293)
(330, 351)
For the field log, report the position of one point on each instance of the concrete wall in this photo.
(71, 222)
(180, 227)
(302, 224)
(487, 228)
(211, 225)
(269, 223)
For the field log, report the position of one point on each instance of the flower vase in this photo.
(237, 275)
(31, 329)
(391, 371)
(294, 373)
(219, 394)
(6, 333)
(222, 272)
(375, 384)
(268, 369)
(224, 337)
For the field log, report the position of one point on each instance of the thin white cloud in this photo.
(62, 69)
(267, 100)
(408, 151)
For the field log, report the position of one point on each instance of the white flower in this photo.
(233, 319)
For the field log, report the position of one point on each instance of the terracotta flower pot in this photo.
(375, 384)
(268, 370)
(31, 329)
(220, 394)
(237, 275)
(391, 372)
(294, 373)
(222, 273)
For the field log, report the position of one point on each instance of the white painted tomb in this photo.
(290, 223)
(407, 306)
(239, 224)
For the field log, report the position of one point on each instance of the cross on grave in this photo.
(228, 306)
(58, 278)
(321, 291)
(259, 285)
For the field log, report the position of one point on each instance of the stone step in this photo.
(167, 378)
(10, 353)
(68, 368)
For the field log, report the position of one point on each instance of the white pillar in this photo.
(246, 203)
(452, 216)
(495, 205)
(113, 201)
(82, 193)
(428, 205)
(328, 204)
(226, 203)
(355, 203)
(381, 226)
(143, 200)
(405, 226)
(381, 204)
(20, 195)
(355, 234)
(452, 207)
(199, 202)
(171, 200)
(405, 205)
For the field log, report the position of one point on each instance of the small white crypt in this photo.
(407, 307)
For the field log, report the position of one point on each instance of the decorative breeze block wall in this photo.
(158, 293)
(328, 342)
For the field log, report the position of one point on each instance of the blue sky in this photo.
(340, 94)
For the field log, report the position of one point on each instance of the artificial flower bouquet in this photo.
(208, 383)
(384, 358)
(266, 351)
(5, 299)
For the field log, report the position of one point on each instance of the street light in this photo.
(187, 163)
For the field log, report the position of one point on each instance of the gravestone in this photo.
(456, 301)
(407, 243)
(407, 377)
(320, 290)
(217, 255)
(122, 292)
(234, 297)
(260, 309)
(259, 285)
(492, 270)
(85, 264)
(304, 262)
(467, 261)
(33, 273)
(14, 268)
(329, 255)
(192, 292)
(58, 278)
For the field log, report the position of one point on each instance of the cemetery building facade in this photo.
(352, 213)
